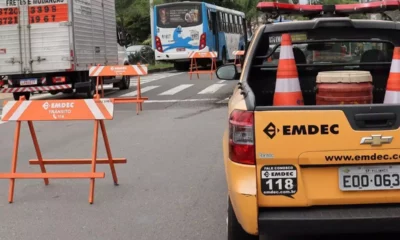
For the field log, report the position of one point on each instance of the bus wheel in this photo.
(181, 66)
(224, 61)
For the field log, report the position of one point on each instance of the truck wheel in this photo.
(125, 83)
(92, 89)
(18, 95)
(235, 230)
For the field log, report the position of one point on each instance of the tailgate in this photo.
(338, 155)
(34, 38)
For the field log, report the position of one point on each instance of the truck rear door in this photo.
(11, 48)
(34, 36)
(327, 156)
(48, 37)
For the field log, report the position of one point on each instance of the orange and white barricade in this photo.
(96, 110)
(238, 55)
(121, 70)
(193, 63)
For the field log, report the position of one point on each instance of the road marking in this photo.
(177, 89)
(211, 89)
(134, 93)
(181, 100)
(152, 78)
(222, 81)
(224, 101)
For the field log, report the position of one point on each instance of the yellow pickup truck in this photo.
(313, 168)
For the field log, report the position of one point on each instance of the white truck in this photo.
(50, 45)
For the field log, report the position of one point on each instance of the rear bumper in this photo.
(177, 56)
(36, 88)
(328, 220)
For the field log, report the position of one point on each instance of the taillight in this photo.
(241, 137)
(202, 41)
(58, 79)
(158, 44)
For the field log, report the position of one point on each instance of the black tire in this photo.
(181, 66)
(234, 229)
(125, 83)
(224, 60)
(92, 88)
(18, 95)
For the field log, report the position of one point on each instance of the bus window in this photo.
(210, 22)
(183, 15)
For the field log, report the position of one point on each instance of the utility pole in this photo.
(151, 23)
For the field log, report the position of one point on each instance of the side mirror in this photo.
(228, 72)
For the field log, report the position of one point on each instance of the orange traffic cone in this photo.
(287, 88)
(392, 94)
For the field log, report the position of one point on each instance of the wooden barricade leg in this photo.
(213, 67)
(94, 157)
(102, 86)
(14, 161)
(109, 154)
(197, 68)
(37, 149)
(191, 68)
(139, 96)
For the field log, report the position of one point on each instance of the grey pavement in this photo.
(172, 188)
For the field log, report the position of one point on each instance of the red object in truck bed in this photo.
(344, 93)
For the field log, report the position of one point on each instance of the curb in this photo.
(160, 70)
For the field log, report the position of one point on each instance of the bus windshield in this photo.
(184, 15)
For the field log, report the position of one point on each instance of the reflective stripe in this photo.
(392, 97)
(286, 52)
(98, 71)
(287, 85)
(395, 67)
(94, 109)
(20, 110)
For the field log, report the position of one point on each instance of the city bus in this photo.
(183, 27)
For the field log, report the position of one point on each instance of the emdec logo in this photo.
(271, 130)
(288, 130)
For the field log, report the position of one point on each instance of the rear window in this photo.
(336, 52)
(324, 46)
(184, 15)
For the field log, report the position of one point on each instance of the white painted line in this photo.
(181, 100)
(222, 81)
(211, 89)
(177, 89)
(226, 100)
(134, 93)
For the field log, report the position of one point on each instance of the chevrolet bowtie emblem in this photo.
(376, 140)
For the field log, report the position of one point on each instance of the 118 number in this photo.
(286, 184)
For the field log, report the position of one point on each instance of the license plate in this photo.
(26, 82)
(180, 49)
(367, 178)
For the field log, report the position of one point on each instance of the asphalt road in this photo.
(173, 186)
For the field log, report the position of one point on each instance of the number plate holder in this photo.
(278, 180)
(28, 82)
(369, 177)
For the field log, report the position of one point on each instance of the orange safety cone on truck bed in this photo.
(392, 94)
(287, 88)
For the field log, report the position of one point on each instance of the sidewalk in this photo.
(6, 96)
